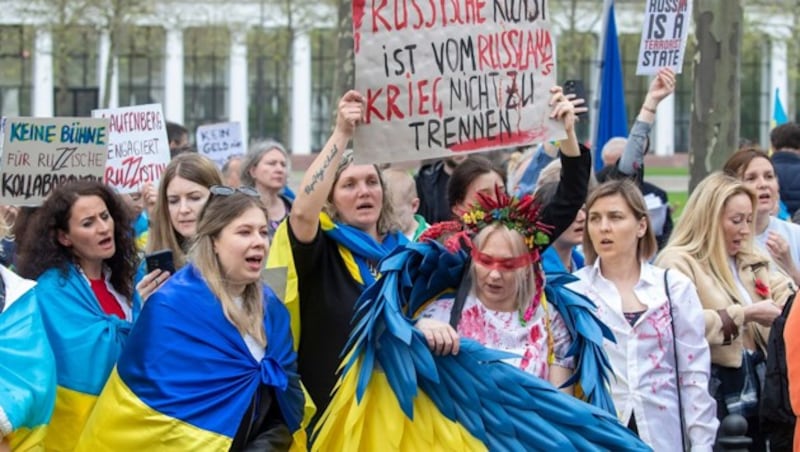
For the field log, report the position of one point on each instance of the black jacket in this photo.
(432, 192)
(787, 168)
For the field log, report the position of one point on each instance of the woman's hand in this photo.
(350, 112)
(563, 109)
(442, 338)
(662, 85)
(763, 312)
(151, 282)
(779, 249)
(149, 197)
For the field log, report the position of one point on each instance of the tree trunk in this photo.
(714, 129)
(345, 76)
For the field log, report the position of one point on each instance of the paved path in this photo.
(670, 183)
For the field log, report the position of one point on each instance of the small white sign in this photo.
(219, 142)
(666, 28)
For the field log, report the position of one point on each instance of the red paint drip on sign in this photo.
(358, 20)
(515, 139)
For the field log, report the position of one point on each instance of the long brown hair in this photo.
(218, 213)
(194, 168)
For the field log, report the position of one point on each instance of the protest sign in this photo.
(220, 141)
(666, 28)
(138, 149)
(40, 154)
(441, 78)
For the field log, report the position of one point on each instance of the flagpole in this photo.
(594, 109)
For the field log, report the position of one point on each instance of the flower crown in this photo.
(517, 214)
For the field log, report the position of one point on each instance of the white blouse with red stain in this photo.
(644, 385)
(503, 331)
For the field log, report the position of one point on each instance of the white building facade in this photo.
(220, 61)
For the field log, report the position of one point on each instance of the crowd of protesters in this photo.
(206, 356)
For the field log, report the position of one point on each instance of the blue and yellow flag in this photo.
(778, 113)
(186, 378)
(27, 367)
(86, 343)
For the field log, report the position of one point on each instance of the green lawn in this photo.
(665, 171)
(677, 199)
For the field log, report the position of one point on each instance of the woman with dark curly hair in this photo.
(80, 249)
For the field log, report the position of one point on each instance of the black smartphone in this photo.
(161, 260)
(576, 87)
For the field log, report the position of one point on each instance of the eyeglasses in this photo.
(224, 190)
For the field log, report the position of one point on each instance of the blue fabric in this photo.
(551, 262)
(787, 168)
(288, 193)
(501, 405)
(86, 341)
(27, 367)
(612, 119)
(528, 180)
(186, 360)
(364, 248)
(141, 224)
(783, 212)
(778, 113)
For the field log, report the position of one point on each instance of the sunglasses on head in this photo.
(224, 190)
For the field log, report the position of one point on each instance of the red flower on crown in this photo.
(762, 289)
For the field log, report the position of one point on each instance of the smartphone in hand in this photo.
(576, 87)
(161, 260)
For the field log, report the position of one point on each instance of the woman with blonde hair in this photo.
(210, 364)
(182, 193)
(712, 245)
(266, 168)
(775, 238)
(660, 356)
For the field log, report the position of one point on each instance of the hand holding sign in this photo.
(663, 85)
(351, 112)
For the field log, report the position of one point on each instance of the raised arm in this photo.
(318, 180)
(632, 159)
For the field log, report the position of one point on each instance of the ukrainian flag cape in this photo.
(186, 377)
(355, 247)
(86, 343)
(394, 394)
(27, 367)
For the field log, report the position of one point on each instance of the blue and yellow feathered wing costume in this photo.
(86, 343)
(394, 394)
(27, 367)
(186, 378)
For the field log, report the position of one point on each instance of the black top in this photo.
(2, 294)
(328, 296)
(431, 183)
(787, 168)
(262, 428)
(570, 194)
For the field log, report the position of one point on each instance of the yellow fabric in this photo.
(378, 423)
(121, 422)
(25, 439)
(141, 240)
(350, 264)
(280, 255)
(69, 416)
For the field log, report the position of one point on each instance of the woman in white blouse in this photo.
(632, 300)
